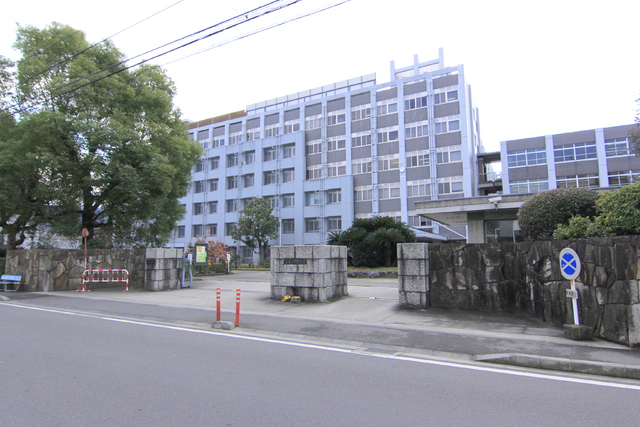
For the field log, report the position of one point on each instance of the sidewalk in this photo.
(370, 319)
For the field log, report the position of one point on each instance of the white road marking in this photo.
(341, 350)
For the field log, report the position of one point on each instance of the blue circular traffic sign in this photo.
(569, 264)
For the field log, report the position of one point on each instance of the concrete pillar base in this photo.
(578, 332)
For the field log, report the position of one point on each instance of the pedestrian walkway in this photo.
(370, 319)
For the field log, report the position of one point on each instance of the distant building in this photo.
(598, 158)
(328, 155)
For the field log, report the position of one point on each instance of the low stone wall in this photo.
(525, 278)
(45, 270)
(315, 273)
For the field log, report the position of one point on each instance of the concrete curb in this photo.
(562, 364)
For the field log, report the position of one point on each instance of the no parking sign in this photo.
(570, 268)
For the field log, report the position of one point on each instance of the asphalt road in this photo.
(59, 368)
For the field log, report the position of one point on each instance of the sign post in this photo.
(570, 268)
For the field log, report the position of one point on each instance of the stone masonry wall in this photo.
(525, 278)
(315, 273)
(45, 270)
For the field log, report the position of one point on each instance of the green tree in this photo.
(112, 156)
(634, 134)
(541, 214)
(256, 225)
(372, 242)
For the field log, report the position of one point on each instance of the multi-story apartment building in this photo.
(326, 156)
(600, 159)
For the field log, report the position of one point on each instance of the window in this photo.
(180, 232)
(361, 139)
(416, 130)
(617, 147)
(212, 207)
(417, 158)
(288, 175)
(288, 200)
(198, 230)
(447, 126)
(199, 186)
(292, 126)
(233, 160)
(233, 205)
(336, 117)
(270, 153)
(388, 134)
(214, 162)
(336, 169)
(589, 180)
(314, 172)
(389, 191)
(312, 198)
(213, 184)
(572, 152)
(288, 150)
(336, 143)
(363, 194)
(449, 154)
(361, 112)
(198, 208)
(450, 185)
(334, 223)
(533, 156)
(528, 186)
(273, 201)
(361, 166)
(416, 101)
(212, 229)
(248, 180)
(334, 196)
(232, 182)
(229, 227)
(249, 157)
(419, 188)
(388, 106)
(218, 141)
(314, 146)
(288, 226)
(447, 96)
(253, 134)
(621, 178)
(272, 130)
(388, 162)
(270, 177)
(419, 221)
(201, 165)
(235, 138)
(312, 225)
(313, 122)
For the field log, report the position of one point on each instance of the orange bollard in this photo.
(217, 304)
(237, 307)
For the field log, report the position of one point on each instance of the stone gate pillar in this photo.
(413, 275)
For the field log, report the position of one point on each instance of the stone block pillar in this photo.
(413, 275)
(315, 273)
(163, 269)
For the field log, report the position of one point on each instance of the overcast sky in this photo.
(535, 68)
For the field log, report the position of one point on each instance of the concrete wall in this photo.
(45, 270)
(524, 278)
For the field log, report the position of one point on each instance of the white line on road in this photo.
(341, 350)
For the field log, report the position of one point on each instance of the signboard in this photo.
(572, 293)
(294, 261)
(201, 253)
(569, 264)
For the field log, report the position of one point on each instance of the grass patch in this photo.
(381, 269)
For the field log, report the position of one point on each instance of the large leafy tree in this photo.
(256, 225)
(634, 134)
(372, 242)
(540, 215)
(111, 156)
